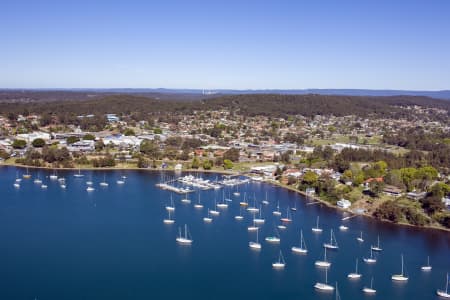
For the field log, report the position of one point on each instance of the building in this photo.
(30, 137)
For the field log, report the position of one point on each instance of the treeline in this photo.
(251, 105)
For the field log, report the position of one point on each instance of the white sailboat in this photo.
(214, 211)
(427, 267)
(184, 240)
(78, 175)
(207, 219)
(370, 290)
(253, 227)
(281, 263)
(295, 207)
(360, 238)
(90, 189)
(255, 245)
(236, 193)
(198, 205)
(259, 220)
(44, 186)
(343, 227)
(400, 277)
(302, 249)
(442, 293)
(16, 185)
(281, 227)
(38, 180)
(275, 239)
(185, 200)
(239, 217)
(222, 204)
(170, 207)
(324, 286)
(323, 263)
(277, 212)
(120, 181)
(371, 259)
(317, 229)
(377, 247)
(333, 243)
(265, 201)
(355, 275)
(53, 176)
(104, 183)
(169, 220)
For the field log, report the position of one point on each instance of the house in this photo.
(392, 191)
(344, 203)
(416, 196)
(310, 191)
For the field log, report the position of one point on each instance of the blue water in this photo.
(112, 244)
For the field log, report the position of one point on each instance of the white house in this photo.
(344, 203)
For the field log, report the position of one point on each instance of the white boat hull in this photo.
(322, 264)
(323, 287)
(278, 265)
(299, 250)
(254, 245)
(354, 276)
(369, 290)
(399, 277)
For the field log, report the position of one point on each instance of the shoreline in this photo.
(233, 173)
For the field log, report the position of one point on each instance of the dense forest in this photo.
(265, 104)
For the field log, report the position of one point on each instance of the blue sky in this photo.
(382, 44)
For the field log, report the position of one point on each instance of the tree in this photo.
(38, 143)
(195, 163)
(157, 131)
(227, 164)
(89, 137)
(310, 178)
(143, 162)
(232, 154)
(19, 144)
(150, 148)
(129, 132)
(72, 139)
(207, 164)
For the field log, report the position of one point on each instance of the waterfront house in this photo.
(344, 203)
(392, 191)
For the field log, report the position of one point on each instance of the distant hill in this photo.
(275, 105)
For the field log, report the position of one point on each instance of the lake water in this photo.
(112, 244)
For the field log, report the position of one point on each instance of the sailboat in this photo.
(214, 211)
(281, 227)
(317, 229)
(184, 240)
(442, 293)
(287, 219)
(333, 243)
(222, 204)
(53, 176)
(253, 227)
(255, 245)
(323, 263)
(377, 247)
(26, 175)
(169, 220)
(44, 186)
(239, 217)
(104, 183)
(324, 286)
(360, 238)
(90, 189)
(338, 297)
(295, 207)
(355, 275)
(17, 184)
(265, 201)
(370, 290)
(78, 175)
(207, 219)
(237, 194)
(277, 212)
(17, 177)
(38, 180)
(400, 277)
(198, 205)
(302, 249)
(427, 267)
(371, 259)
(253, 208)
(275, 239)
(244, 203)
(186, 199)
(281, 263)
(259, 220)
(170, 207)
(343, 227)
